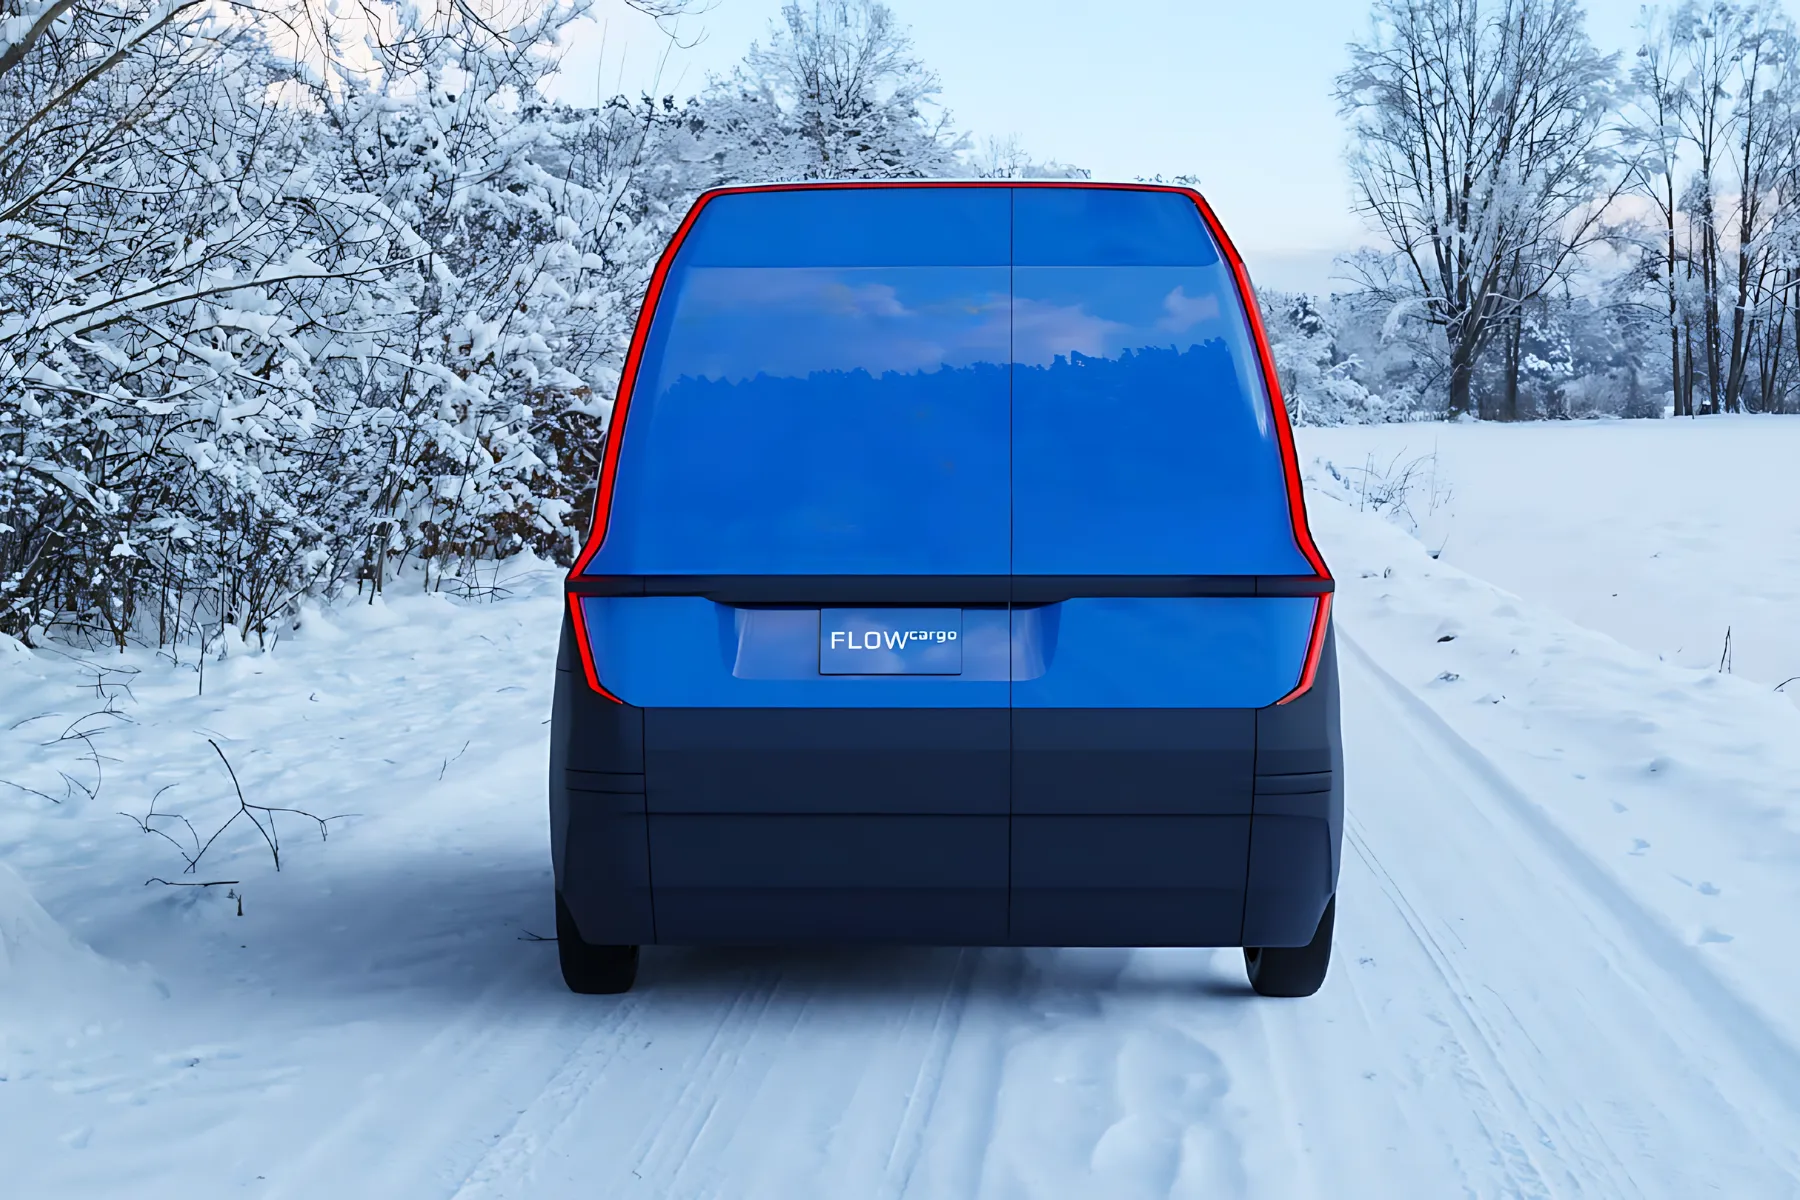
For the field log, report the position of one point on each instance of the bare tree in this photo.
(836, 93)
(1764, 159)
(1710, 39)
(1715, 93)
(1651, 125)
(1480, 146)
(1006, 158)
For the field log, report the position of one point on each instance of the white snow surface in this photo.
(1565, 956)
(1662, 534)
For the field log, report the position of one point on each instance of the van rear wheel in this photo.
(1293, 970)
(589, 969)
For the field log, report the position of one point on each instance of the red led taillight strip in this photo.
(585, 649)
(1315, 650)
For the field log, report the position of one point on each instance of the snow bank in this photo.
(39, 961)
(1663, 534)
(1682, 784)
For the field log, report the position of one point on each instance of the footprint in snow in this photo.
(1707, 889)
(1638, 846)
(1709, 934)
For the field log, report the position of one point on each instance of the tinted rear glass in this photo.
(1143, 442)
(818, 418)
(853, 227)
(863, 381)
(1143, 438)
(1108, 227)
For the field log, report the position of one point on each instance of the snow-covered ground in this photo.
(1662, 534)
(1565, 955)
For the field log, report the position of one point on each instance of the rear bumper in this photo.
(1136, 827)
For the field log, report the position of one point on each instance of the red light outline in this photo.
(1284, 434)
(585, 648)
(1315, 650)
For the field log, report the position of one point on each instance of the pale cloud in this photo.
(1041, 331)
(1181, 312)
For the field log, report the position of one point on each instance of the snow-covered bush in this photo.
(835, 93)
(297, 299)
(275, 323)
(177, 274)
(1318, 380)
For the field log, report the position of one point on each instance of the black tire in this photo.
(588, 969)
(1293, 970)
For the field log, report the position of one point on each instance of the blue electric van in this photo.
(949, 583)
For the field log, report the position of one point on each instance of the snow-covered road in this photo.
(1501, 1022)
(1521, 1002)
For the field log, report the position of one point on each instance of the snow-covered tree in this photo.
(835, 93)
(1479, 147)
(299, 297)
(1318, 382)
(1006, 158)
(278, 320)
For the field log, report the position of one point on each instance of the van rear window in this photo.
(945, 380)
(819, 421)
(1108, 227)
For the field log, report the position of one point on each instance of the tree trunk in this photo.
(1769, 365)
(1675, 389)
(1461, 379)
(1515, 332)
(1709, 254)
(1688, 375)
(1669, 211)
(1743, 332)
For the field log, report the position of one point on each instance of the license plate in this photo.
(890, 641)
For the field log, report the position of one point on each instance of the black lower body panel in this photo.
(1128, 880)
(1131, 827)
(599, 833)
(1195, 827)
(606, 882)
(1297, 836)
(828, 824)
(809, 877)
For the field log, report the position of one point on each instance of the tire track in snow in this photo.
(1762, 1050)
(513, 1151)
(667, 1149)
(416, 1140)
(772, 1083)
(1466, 1025)
(507, 1169)
(921, 1098)
(1647, 1007)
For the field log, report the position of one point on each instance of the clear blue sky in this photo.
(1237, 92)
